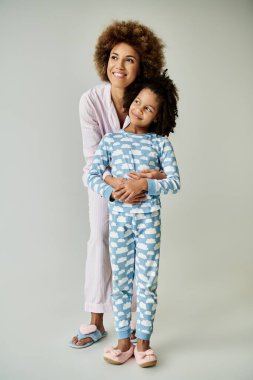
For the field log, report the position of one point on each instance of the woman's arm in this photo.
(91, 134)
(147, 173)
(100, 162)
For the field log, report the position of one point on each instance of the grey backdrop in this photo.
(203, 328)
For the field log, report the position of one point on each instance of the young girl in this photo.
(134, 229)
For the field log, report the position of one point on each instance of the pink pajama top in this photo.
(98, 116)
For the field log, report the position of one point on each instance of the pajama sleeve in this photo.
(91, 133)
(169, 166)
(100, 162)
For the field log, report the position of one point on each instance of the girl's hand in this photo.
(114, 181)
(132, 189)
(147, 173)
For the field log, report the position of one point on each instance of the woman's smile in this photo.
(123, 65)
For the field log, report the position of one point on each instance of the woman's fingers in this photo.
(134, 176)
(119, 192)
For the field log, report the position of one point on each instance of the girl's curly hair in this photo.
(167, 95)
(140, 37)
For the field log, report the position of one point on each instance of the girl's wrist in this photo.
(108, 180)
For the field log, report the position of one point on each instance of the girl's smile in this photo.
(143, 111)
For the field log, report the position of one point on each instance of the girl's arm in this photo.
(153, 186)
(169, 164)
(114, 181)
(100, 162)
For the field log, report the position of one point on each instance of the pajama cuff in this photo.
(107, 192)
(142, 336)
(124, 334)
(152, 187)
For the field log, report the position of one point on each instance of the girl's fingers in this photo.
(139, 199)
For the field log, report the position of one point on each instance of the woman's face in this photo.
(123, 65)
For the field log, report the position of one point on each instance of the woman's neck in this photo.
(117, 98)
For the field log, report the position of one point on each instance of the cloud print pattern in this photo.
(125, 152)
(135, 251)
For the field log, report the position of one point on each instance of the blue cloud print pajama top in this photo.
(134, 230)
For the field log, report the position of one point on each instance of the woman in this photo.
(124, 52)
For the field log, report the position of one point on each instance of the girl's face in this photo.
(123, 65)
(144, 109)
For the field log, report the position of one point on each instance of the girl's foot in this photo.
(123, 345)
(144, 355)
(143, 345)
(97, 320)
(119, 354)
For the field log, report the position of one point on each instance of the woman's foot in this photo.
(97, 320)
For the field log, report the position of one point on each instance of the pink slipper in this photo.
(145, 358)
(114, 356)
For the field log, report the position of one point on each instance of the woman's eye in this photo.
(114, 57)
(130, 60)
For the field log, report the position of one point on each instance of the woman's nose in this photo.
(120, 64)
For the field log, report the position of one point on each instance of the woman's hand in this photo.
(133, 200)
(131, 191)
(147, 173)
(114, 181)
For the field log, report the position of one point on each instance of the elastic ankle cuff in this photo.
(124, 334)
(142, 336)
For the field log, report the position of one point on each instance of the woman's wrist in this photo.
(144, 184)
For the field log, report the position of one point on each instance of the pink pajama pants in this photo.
(98, 273)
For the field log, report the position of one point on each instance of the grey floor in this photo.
(199, 333)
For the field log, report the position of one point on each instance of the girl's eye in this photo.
(130, 60)
(148, 109)
(136, 101)
(113, 57)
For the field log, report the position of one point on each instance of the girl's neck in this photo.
(133, 129)
(117, 95)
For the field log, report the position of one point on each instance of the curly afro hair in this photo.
(140, 37)
(167, 95)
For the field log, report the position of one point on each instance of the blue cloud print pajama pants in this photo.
(134, 250)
